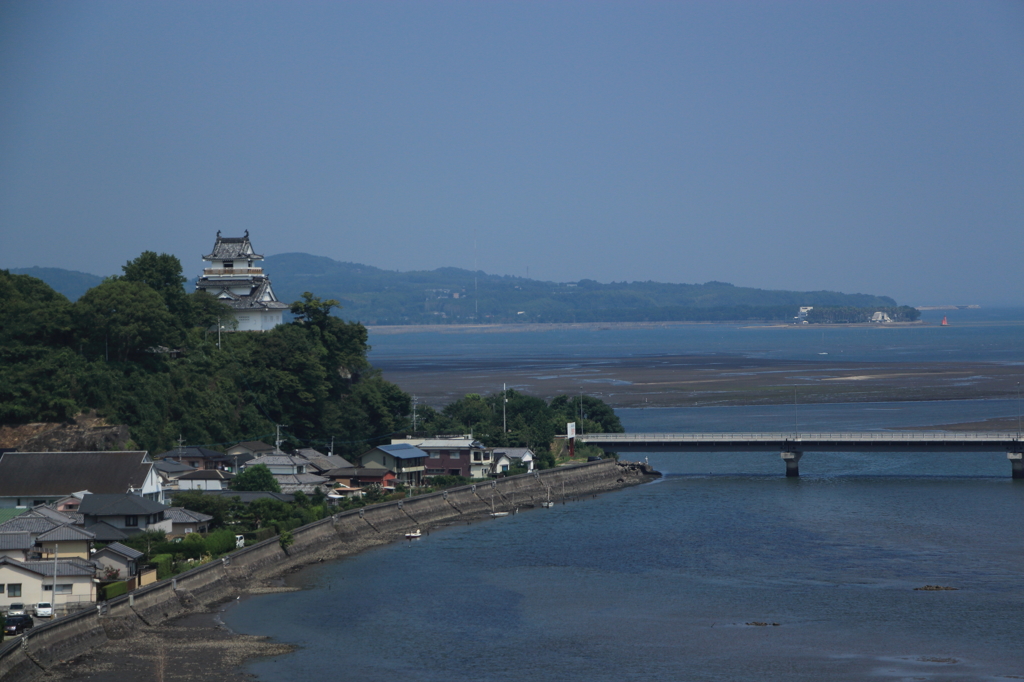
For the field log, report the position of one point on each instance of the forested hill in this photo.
(450, 295)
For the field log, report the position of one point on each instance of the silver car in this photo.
(16, 610)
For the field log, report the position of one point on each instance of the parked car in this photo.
(15, 625)
(44, 609)
(16, 610)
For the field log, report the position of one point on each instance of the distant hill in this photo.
(71, 283)
(450, 295)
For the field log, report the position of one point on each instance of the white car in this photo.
(44, 609)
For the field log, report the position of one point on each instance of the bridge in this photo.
(792, 446)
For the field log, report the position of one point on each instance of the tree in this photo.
(256, 477)
(121, 317)
(312, 310)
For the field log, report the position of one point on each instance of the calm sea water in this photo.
(659, 582)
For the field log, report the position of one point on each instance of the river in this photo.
(668, 580)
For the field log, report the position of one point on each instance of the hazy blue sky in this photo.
(872, 147)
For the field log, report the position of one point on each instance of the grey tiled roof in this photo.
(182, 515)
(104, 532)
(207, 475)
(66, 533)
(118, 505)
(123, 550)
(277, 460)
(16, 540)
(64, 567)
(25, 522)
(45, 474)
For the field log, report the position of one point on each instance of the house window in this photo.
(455, 454)
(61, 589)
(131, 521)
(14, 589)
(435, 454)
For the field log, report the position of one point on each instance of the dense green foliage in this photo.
(453, 295)
(530, 421)
(137, 349)
(848, 314)
(257, 477)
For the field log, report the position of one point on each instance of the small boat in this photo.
(414, 534)
(945, 322)
(496, 514)
(548, 504)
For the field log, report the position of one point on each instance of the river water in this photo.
(664, 581)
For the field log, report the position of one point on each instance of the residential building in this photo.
(120, 558)
(205, 479)
(357, 477)
(292, 473)
(126, 513)
(199, 458)
(41, 532)
(30, 582)
(185, 521)
(508, 458)
(233, 278)
(249, 449)
(407, 461)
(30, 479)
(453, 456)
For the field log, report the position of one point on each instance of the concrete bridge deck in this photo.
(791, 445)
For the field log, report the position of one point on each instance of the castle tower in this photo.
(234, 280)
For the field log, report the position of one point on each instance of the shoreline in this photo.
(196, 645)
(512, 327)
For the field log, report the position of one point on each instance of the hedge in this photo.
(115, 589)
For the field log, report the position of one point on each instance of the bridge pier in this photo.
(792, 460)
(1017, 462)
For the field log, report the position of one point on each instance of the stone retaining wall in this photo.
(29, 656)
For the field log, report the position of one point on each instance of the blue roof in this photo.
(402, 451)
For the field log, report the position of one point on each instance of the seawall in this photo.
(35, 654)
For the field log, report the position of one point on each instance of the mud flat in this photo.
(691, 380)
(170, 630)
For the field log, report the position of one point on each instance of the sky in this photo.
(863, 147)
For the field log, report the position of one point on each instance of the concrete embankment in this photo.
(40, 650)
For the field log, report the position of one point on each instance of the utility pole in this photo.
(53, 597)
(504, 402)
(277, 442)
(218, 333)
(414, 414)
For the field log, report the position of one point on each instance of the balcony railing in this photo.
(232, 271)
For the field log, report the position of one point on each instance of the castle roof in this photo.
(232, 247)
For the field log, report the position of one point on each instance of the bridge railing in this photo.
(767, 436)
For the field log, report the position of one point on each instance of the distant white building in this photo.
(233, 279)
(802, 315)
(880, 317)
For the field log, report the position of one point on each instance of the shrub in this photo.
(164, 565)
(115, 590)
(220, 542)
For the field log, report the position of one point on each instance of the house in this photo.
(205, 479)
(126, 513)
(169, 470)
(453, 456)
(508, 458)
(407, 461)
(30, 479)
(199, 458)
(291, 472)
(185, 521)
(319, 463)
(41, 533)
(233, 278)
(117, 557)
(66, 583)
(249, 449)
(353, 478)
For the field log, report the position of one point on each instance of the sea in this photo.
(723, 569)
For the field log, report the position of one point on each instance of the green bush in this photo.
(220, 542)
(115, 589)
(164, 565)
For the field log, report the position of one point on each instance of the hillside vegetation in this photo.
(453, 295)
(139, 350)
